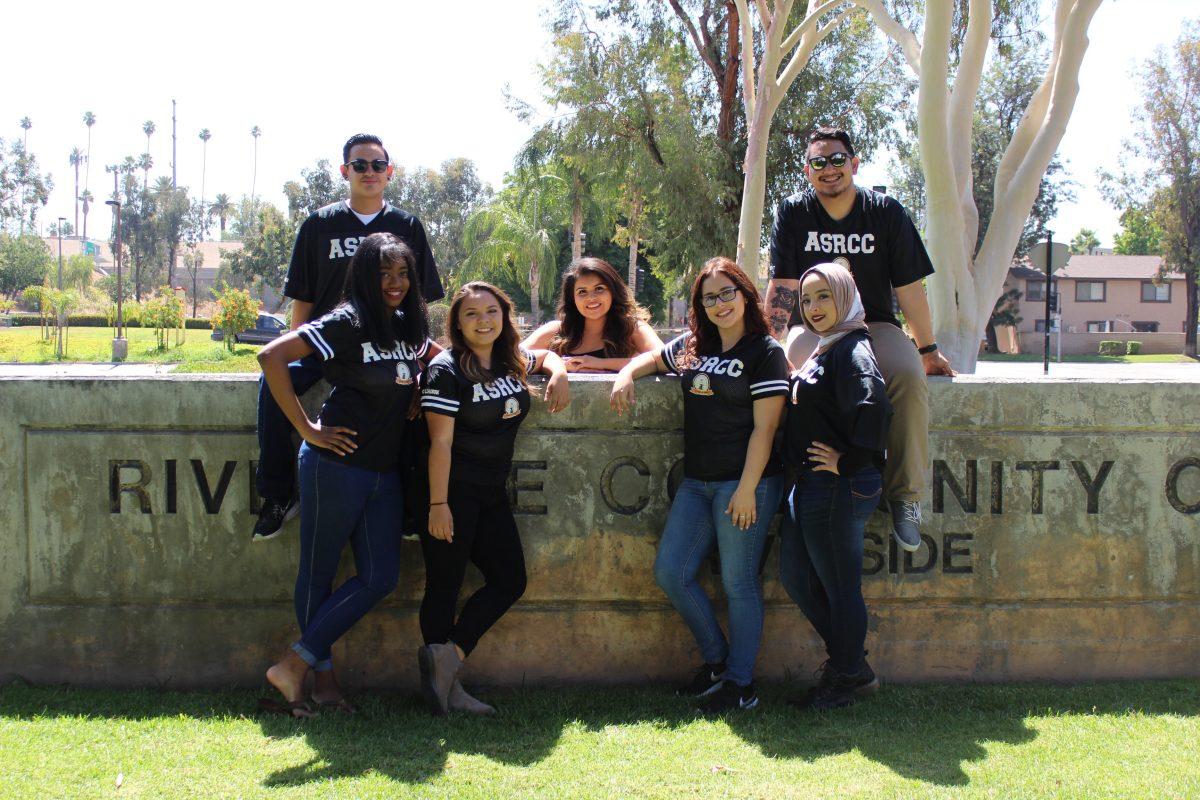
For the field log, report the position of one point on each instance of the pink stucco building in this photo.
(1104, 297)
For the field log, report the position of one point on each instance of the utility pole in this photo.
(174, 165)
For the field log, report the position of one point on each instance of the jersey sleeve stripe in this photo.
(669, 359)
(424, 347)
(439, 404)
(313, 336)
(769, 387)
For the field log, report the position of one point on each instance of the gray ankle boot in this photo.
(461, 701)
(439, 664)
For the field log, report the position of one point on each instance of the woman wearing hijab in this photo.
(834, 436)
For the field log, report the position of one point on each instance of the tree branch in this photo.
(808, 43)
(895, 31)
(747, 25)
(701, 47)
(966, 91)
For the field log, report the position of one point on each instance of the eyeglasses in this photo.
(726, 295)
(819, 163)
(360, 165)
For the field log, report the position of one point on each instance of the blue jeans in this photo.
(698, 521)
(340, 503)
(821, 556)
(276, 454)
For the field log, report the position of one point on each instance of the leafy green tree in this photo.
(23, 189)
(171, 207)
(163, 312)
(24, 261)
(1140, 234)
(1084, 242)
(78, 271)
(266, 248)
(515, 238)
(236, 312)
(444, 200)
(316, 188)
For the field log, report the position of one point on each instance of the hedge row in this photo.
(1109, 347)
(99, 321)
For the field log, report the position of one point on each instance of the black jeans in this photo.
(275, 475)
(821, 557)
(486, 535)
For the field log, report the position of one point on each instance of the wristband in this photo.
(431, 505)
(927, 349)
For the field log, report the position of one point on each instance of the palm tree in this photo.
(515, 235)
(148, 128)
(76, 160)
(204, 137)
(26, 124)
(145, 162)
(89, 119)
(86, 198)
(255, 132)
(222, 207)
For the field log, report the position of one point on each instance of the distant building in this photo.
(1104, 296)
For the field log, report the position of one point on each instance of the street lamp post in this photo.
(61, 221)
(120, 346)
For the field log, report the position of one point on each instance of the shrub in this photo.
(1133, 348)
(236, 312)
(1111, 348)
(437, 320)
(163, 312)
(194, 324)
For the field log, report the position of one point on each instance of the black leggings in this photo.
(485, 534)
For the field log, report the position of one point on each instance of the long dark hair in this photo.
(506, 350)
(364, 291)
(706, 337)
(620, 322)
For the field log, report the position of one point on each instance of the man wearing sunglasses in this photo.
(871, 235)
(325, 245)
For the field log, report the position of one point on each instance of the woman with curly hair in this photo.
(599, 326)
(734, 380)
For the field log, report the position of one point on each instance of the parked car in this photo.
(268, 328)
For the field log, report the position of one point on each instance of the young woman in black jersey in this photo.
(370, 347)
(474, 397)
(734, 381)
(835, 432)
(599, 326)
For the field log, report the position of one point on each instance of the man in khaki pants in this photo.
(871, 235)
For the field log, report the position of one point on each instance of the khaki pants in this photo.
(907, 388)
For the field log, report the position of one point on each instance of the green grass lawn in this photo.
(1114, 740)
(1162, 358)
(197, 353)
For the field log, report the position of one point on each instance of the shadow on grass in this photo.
(926, 733)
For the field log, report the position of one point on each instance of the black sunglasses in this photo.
(360, 165)
(819, 163)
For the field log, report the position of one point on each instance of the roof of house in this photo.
(1114, 267)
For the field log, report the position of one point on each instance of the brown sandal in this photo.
(338, 706)
(296, 710)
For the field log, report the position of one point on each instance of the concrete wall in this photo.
(1063, 542)
(1089, 343)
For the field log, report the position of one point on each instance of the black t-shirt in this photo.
(327, 241)
(372, 386)
(486, 417)
(719, 391)
(839, 398)
(876, 241)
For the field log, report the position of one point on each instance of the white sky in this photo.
(427, 77)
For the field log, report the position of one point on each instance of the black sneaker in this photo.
(730, 697)
(274, 514)
(906, 519)
(822, 677)
(706, 681)
(844, 690)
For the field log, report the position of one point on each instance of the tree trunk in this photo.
(754, 191)
(577, 228)
(195, 279)
(635, 223)
(1189, 324)
(993, 344)
(535, 282)
(76, 197)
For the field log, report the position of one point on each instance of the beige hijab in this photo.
(850, 313)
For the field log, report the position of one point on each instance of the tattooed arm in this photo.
(781, 301)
